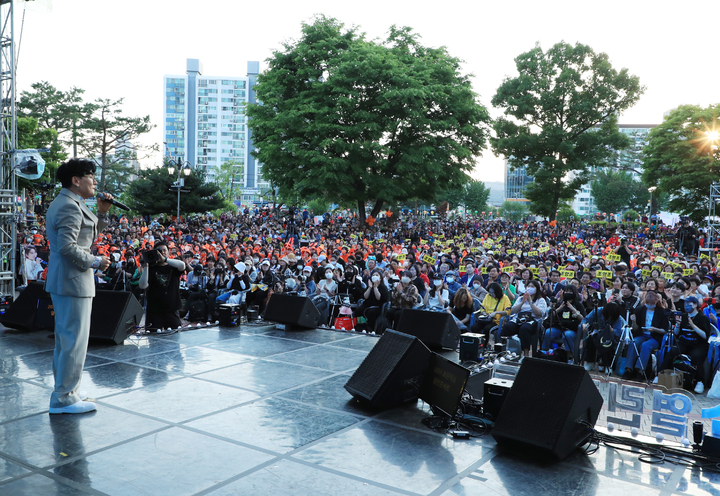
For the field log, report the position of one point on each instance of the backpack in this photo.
(665, 346)
(605, 339)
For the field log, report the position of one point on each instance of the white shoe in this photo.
(700, 388)
(79, 407)
(655, 381)
(589, 366)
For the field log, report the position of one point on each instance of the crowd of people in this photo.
(575, 286)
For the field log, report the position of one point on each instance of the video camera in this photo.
(150, 257)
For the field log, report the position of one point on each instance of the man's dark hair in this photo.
(158, 244)
(75, 167)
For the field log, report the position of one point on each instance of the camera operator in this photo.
(351, 285)
(161, 280)
(197, 287)
(692, 330)
(649, 325)
(602, 342)
(568, 314)
(595, 297)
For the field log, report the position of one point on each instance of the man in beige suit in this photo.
(71, 230)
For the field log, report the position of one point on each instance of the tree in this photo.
(107, 136)
(476, 196)
(344, 118)
(613, 190)
(152, 193)
(564, 106)
(680, 161)
(65, 112)
(513, 211)
(225, 178)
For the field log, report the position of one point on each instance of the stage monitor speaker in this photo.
(115, 315)
(295, 311)
(21, 313)
(550, 409)
(392, 373)
(435, 329)
(443, 384)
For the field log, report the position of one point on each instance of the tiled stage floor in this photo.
(258, 411)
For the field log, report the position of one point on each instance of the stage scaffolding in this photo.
(9, 211)
(713, 220)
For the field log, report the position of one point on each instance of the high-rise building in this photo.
(515, 182)
(205, 123)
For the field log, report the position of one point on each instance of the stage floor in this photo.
(258, 411)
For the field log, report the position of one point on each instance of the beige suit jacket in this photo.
(71, 230)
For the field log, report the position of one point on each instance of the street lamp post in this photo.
(183, 167)
(651, 189)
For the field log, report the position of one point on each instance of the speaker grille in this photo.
(392, 372)
(561, 385)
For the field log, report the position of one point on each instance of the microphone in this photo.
(101, 197)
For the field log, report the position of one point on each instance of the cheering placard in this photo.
(613, 257)
(401, 257)
(509, 268)
(532, 253)
(544, 249)
(668, 275)
(645, 272)
(428, 259)
(604, 274)
(688, 272)
(568, 274)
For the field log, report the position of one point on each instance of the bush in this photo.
(631, 215)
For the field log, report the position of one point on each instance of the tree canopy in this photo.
(561, 119)
(680, 161)
(153, 193)
(348, 119)
(614, 191)
(513, 211)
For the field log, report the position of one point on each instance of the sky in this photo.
(123, 49)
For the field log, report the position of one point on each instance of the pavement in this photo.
(256, 410)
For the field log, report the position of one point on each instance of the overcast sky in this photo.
(123, 49)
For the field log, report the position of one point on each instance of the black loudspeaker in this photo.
(550, 409)
(295, 311)
(115, 315)
(435, 329)
(392, 372)
(21, 314)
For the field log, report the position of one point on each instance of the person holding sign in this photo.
(526, 313)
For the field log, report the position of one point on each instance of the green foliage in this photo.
(29, 135)
(565, 214)
(318, 206)
(348, 119)
(474, 195)
(152, 193)
(615, 191)
(228, 174)
(631, 215)
(562, 111)
(513, 211)
(679, 159)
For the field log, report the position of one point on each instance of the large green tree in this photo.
(228, 174)
(348, 119)
(63, 111)
(153, 193)
(30, 136)
(680, 160)
(110, 138)
(561, 119)
(513, 211)
(614, 190)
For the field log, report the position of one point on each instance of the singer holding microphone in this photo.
(71, 230)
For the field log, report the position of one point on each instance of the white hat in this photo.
(240, 266)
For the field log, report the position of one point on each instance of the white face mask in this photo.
(405, 280)
(328, 275)
(531, 290)
(476, 286)
(375, 278)
(450, 280)
(437, 282)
